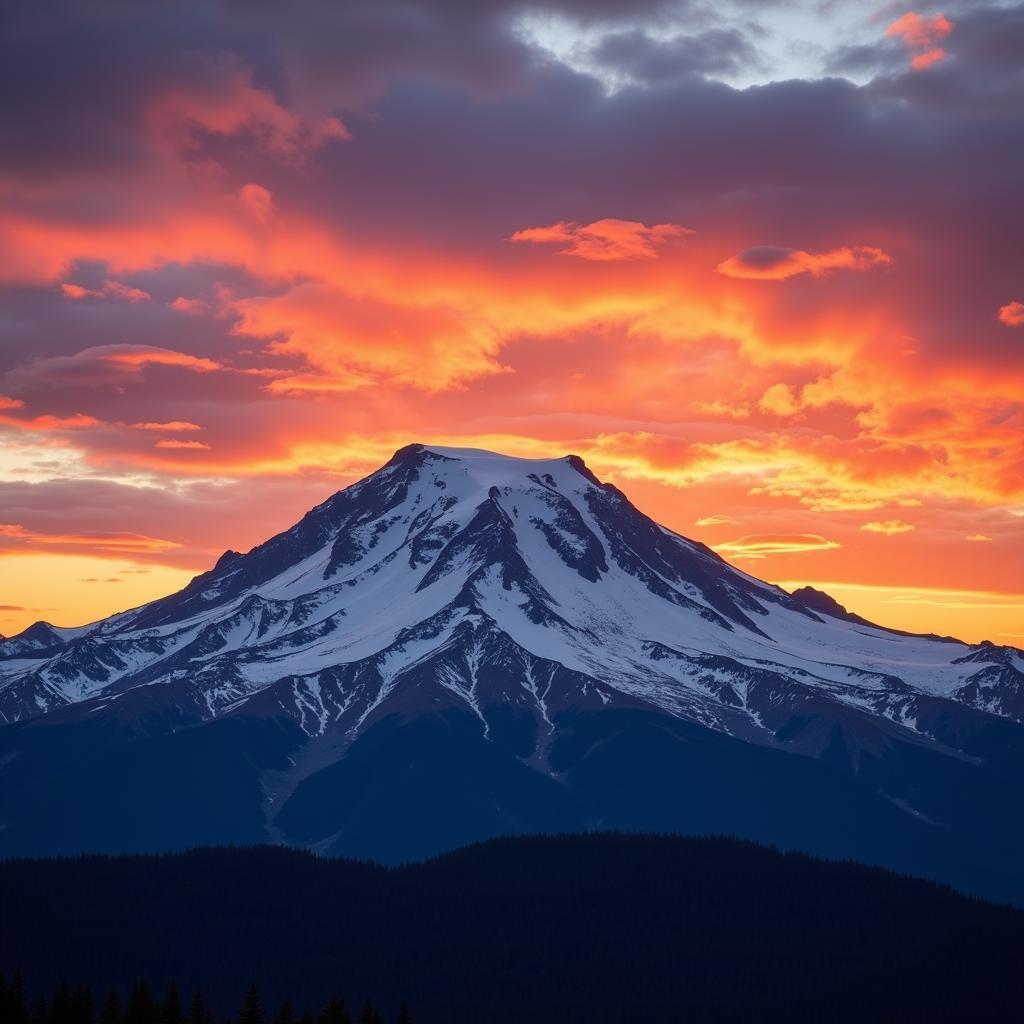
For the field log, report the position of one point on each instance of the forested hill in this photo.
(589, 928)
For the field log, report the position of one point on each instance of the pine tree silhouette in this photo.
(60, 1007)
(141, 1008)
(111, 1013)
(170, 1007)
(369, 1015)
(80, 1006)
(252, 1011)
(403, 1015)
(285, 1014)
(334, 1013)
(41, 1012)
(197, 1009)
(13, 1005)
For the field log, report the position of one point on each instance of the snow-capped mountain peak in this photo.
(462, 575)
(465, 644)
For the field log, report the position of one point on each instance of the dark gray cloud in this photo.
(764, 257)
(644, 58)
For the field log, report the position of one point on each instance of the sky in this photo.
(758, 262)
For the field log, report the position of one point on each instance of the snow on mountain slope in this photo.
(459, 576)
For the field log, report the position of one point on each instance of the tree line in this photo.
(68, 1004)
(594, 929)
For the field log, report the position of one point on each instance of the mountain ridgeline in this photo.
(465, 645)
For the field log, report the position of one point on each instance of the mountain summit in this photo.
(464, 644)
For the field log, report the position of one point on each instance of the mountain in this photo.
(522, 929)
(464, 645)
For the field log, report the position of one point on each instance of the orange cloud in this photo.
(730, 410)
(822, 472)
(762, 545)
(351, 343)
(978, 538)
(137, 356)
(77, 421)
(888, 526)
(170, 427)
(921, 35)
(780, 400)
(716, 520)
(1012, 314)
(14, 536)
(170, 442)
(773, 263)
(604, 240)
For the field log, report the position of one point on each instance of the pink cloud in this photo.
(228, 103)
(111, 289)
(125, 293)
(191, 307)
(257, 201)
(1012, 314)
(602, 240)
(921, 35)
(169, 442)
(75, 292)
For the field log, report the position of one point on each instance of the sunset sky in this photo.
(761, 264)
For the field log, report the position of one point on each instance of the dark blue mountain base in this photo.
(415, 786)
(604, 928)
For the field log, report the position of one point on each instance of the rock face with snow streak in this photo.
(465, 644)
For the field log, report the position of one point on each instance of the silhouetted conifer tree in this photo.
(197, 1009)
(13, 1004)
(252, 1011)
(111, 1009)
(19, 1001)
(41, 1012)
(141, 1007)
(80, 1006)
(335, 1013)
(60, 1005)
(77, 1006)
(369, 1015)
(285, 1015)
(170, 1007)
